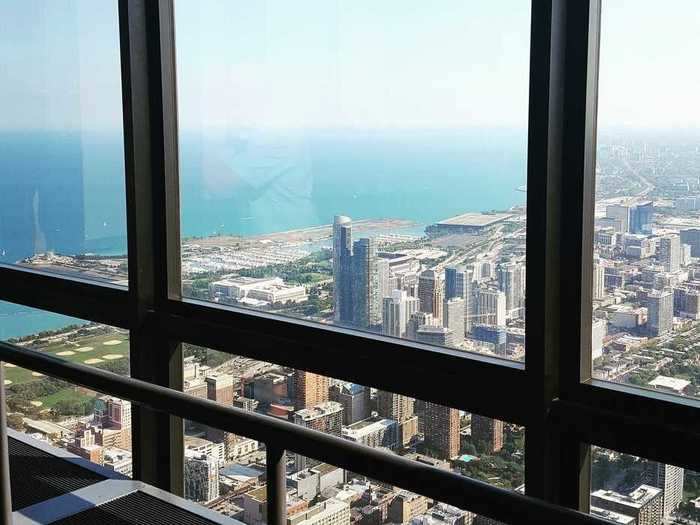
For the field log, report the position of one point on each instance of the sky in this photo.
(402, 64)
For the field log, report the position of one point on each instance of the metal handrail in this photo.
(445, 486)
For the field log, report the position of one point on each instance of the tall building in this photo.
(396, 312)
(201, 477)
(643, 504)
(220, 388)
(453, 318)
(368, 276)
(668, 478)
(459, 283)
(621, 214)
(489, 432)
(441, 429)
(641, 216)
(324, 417)
(430, 293)
(490, 307)
(669, 252)
(310, 389)
(417, 320)
(436, 335)
(342, 269)
(511, 281)
(399, 408)
(355, 400)
(598, 281)
(691, 237)
(660, 312)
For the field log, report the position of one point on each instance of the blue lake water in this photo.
(65, 191)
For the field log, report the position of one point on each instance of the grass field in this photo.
(88, 348)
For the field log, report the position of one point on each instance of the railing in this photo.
(278, 436)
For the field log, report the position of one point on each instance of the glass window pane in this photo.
(446, 438)
(646, 277)
(62, 191)
(358, 164)
(625, 488)
(88, 424)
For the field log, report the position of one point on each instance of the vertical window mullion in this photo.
(150, 133)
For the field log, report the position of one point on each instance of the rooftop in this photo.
(635, 499)
(477, 219)
(669, 383)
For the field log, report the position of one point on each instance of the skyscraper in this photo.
(310, 389)
(660, 312)
(511, 281)
(417, 320)
(201, 476)
(669, 253)
(430, 293)
(368, 276)
(491, 307)
(489, 432)
(641, 216)
(355, 400)
(436, 335)
(670, 479)
(396, 312)
(453, 317)
(399, 408)
(691, 237)
(441, 430)
(342, 269)
(325, 417)
(458, 283)
(621, 213)
(598, 280)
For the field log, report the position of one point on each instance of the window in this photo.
(318, 183)
(246, 246)
(62, 193)
(86, 423)
(645, 287)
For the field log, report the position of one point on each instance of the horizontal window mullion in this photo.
(89, 300)
(642, 431)
(462, 380)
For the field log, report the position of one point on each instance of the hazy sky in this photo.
(341, 63)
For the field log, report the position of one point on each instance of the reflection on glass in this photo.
(646, 277)
(469, 444)
(631, 490)
(88, 424)
(359, 165)
(62, 192)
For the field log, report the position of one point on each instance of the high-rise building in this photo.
(201, 476)
(660, 312)
(325, 417)
(342, 269)
(441, 429)
(453, 318)
(220, 388)
(436, 335)
(459, 283)
(621, 214)
(668, 478)
(641, 216)
(598, 281)
(430, 293)
(644, 503)
(399, 408)
(310, 389)
(368, 277)
(490, 307)
(417, 320)
(669, 252)
(355, 400)
(489, 432)
(511, 281)
(396, 312)
(691, 236)
(599, 329)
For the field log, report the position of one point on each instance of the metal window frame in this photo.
(554, 395)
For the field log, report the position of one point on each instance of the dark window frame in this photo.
(553, 394)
